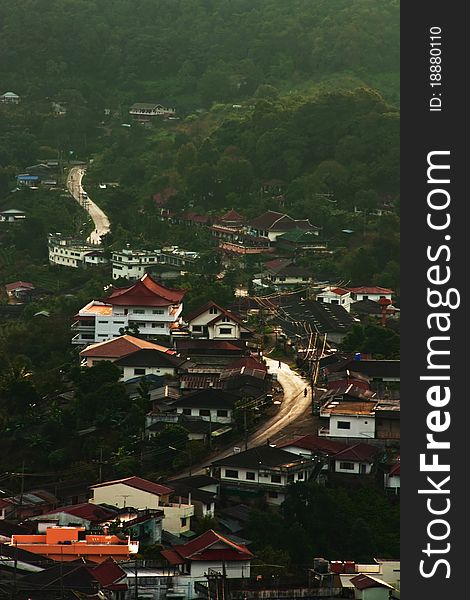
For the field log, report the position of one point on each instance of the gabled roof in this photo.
(202, 309)
(150, 357)
(259, 457)
(371, 368)
(122, 346)
(315, 444)
(370, 290)
(297, 235)
(87, 510)
(358, 453)
(232, 215)
(207, 399)
(268, 219)
(19, 285)
(139, 484)
(201, 549)
(144, 292)
(395, 470)
(211, 346)
(363, 582)
(275, 221)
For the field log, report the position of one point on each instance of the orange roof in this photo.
(121, 346)
(96, 309)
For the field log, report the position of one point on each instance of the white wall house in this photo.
(216, 323)
(69, 253)
(370, 293)
(146, 109)
(216, 406)
(210, 551)
(392, 479)
(262, 469)
(148, 362)
(336, 295)
(147, 305)
(348, 419)
(141, 494)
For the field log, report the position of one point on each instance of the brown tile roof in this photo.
(314, 444)
(358, 453)
(139, 484)
(121, 346)
(144, 292)
(200, 549)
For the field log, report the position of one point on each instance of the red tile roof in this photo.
(248, 362)
(107, 573)
(358, 453)
(200, 549)
(395, 470)
(232, 215)
(340, 291)
(19, 284)
(121, 346)
(139, 484)
(144, 292)
(86, 510)
(363, 582)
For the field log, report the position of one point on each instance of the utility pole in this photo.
(136, 586)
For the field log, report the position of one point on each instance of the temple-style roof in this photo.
(144, 292)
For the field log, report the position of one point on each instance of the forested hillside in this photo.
(194, 52)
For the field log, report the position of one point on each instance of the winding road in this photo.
(294, 405)
(100, 219)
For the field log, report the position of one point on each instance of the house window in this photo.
(275, 479)
(158, 311)
(183, 521)
(362, 468)
(365, 297)
(139, 371)
(225, 320)
(250, 475)
(204, 412)
(333, 301)
(304, 278)
(343, 425)
(273, 494)
(139, 311)
(197, 328)
(346, 466)
(225, 330)
(222, 413)
(231, 473)
(213, 311)
(281, 278)
(186, 411)
(300, 475)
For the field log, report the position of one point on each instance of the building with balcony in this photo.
(65, 544)
(149, 307)
(264, 471)
(68, 252)
(132, 264)
(146, 110)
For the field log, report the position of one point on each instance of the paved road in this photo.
(294, 405)
(101, 221)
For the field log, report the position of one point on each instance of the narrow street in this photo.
(100, 219)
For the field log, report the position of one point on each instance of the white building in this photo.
(12, 215)
(216, 406)
(208, 552)
(216, 323)
(336, 295)
(392, 478)
(140, 494)
(348, 419)
(146, 305)
(72, 253)
(370, 293)
(263, 470)
(10, 98)
(132, 264)
(146, 110)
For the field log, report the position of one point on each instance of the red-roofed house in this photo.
(19, 290)
(141, 494)
(355, 460)
(118, 348)
(85, 514)
(374, 293)
(336, 295)
(211, 550)
(151, 307)
(368, 587)
(213, 322)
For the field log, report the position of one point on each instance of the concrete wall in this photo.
(120, 495)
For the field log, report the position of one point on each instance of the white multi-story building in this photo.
(144, 110)
(72, 253)
(146, 305)
(336, 295)
(132, 264)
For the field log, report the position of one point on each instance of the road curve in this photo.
(293, 406)
(100, 219)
